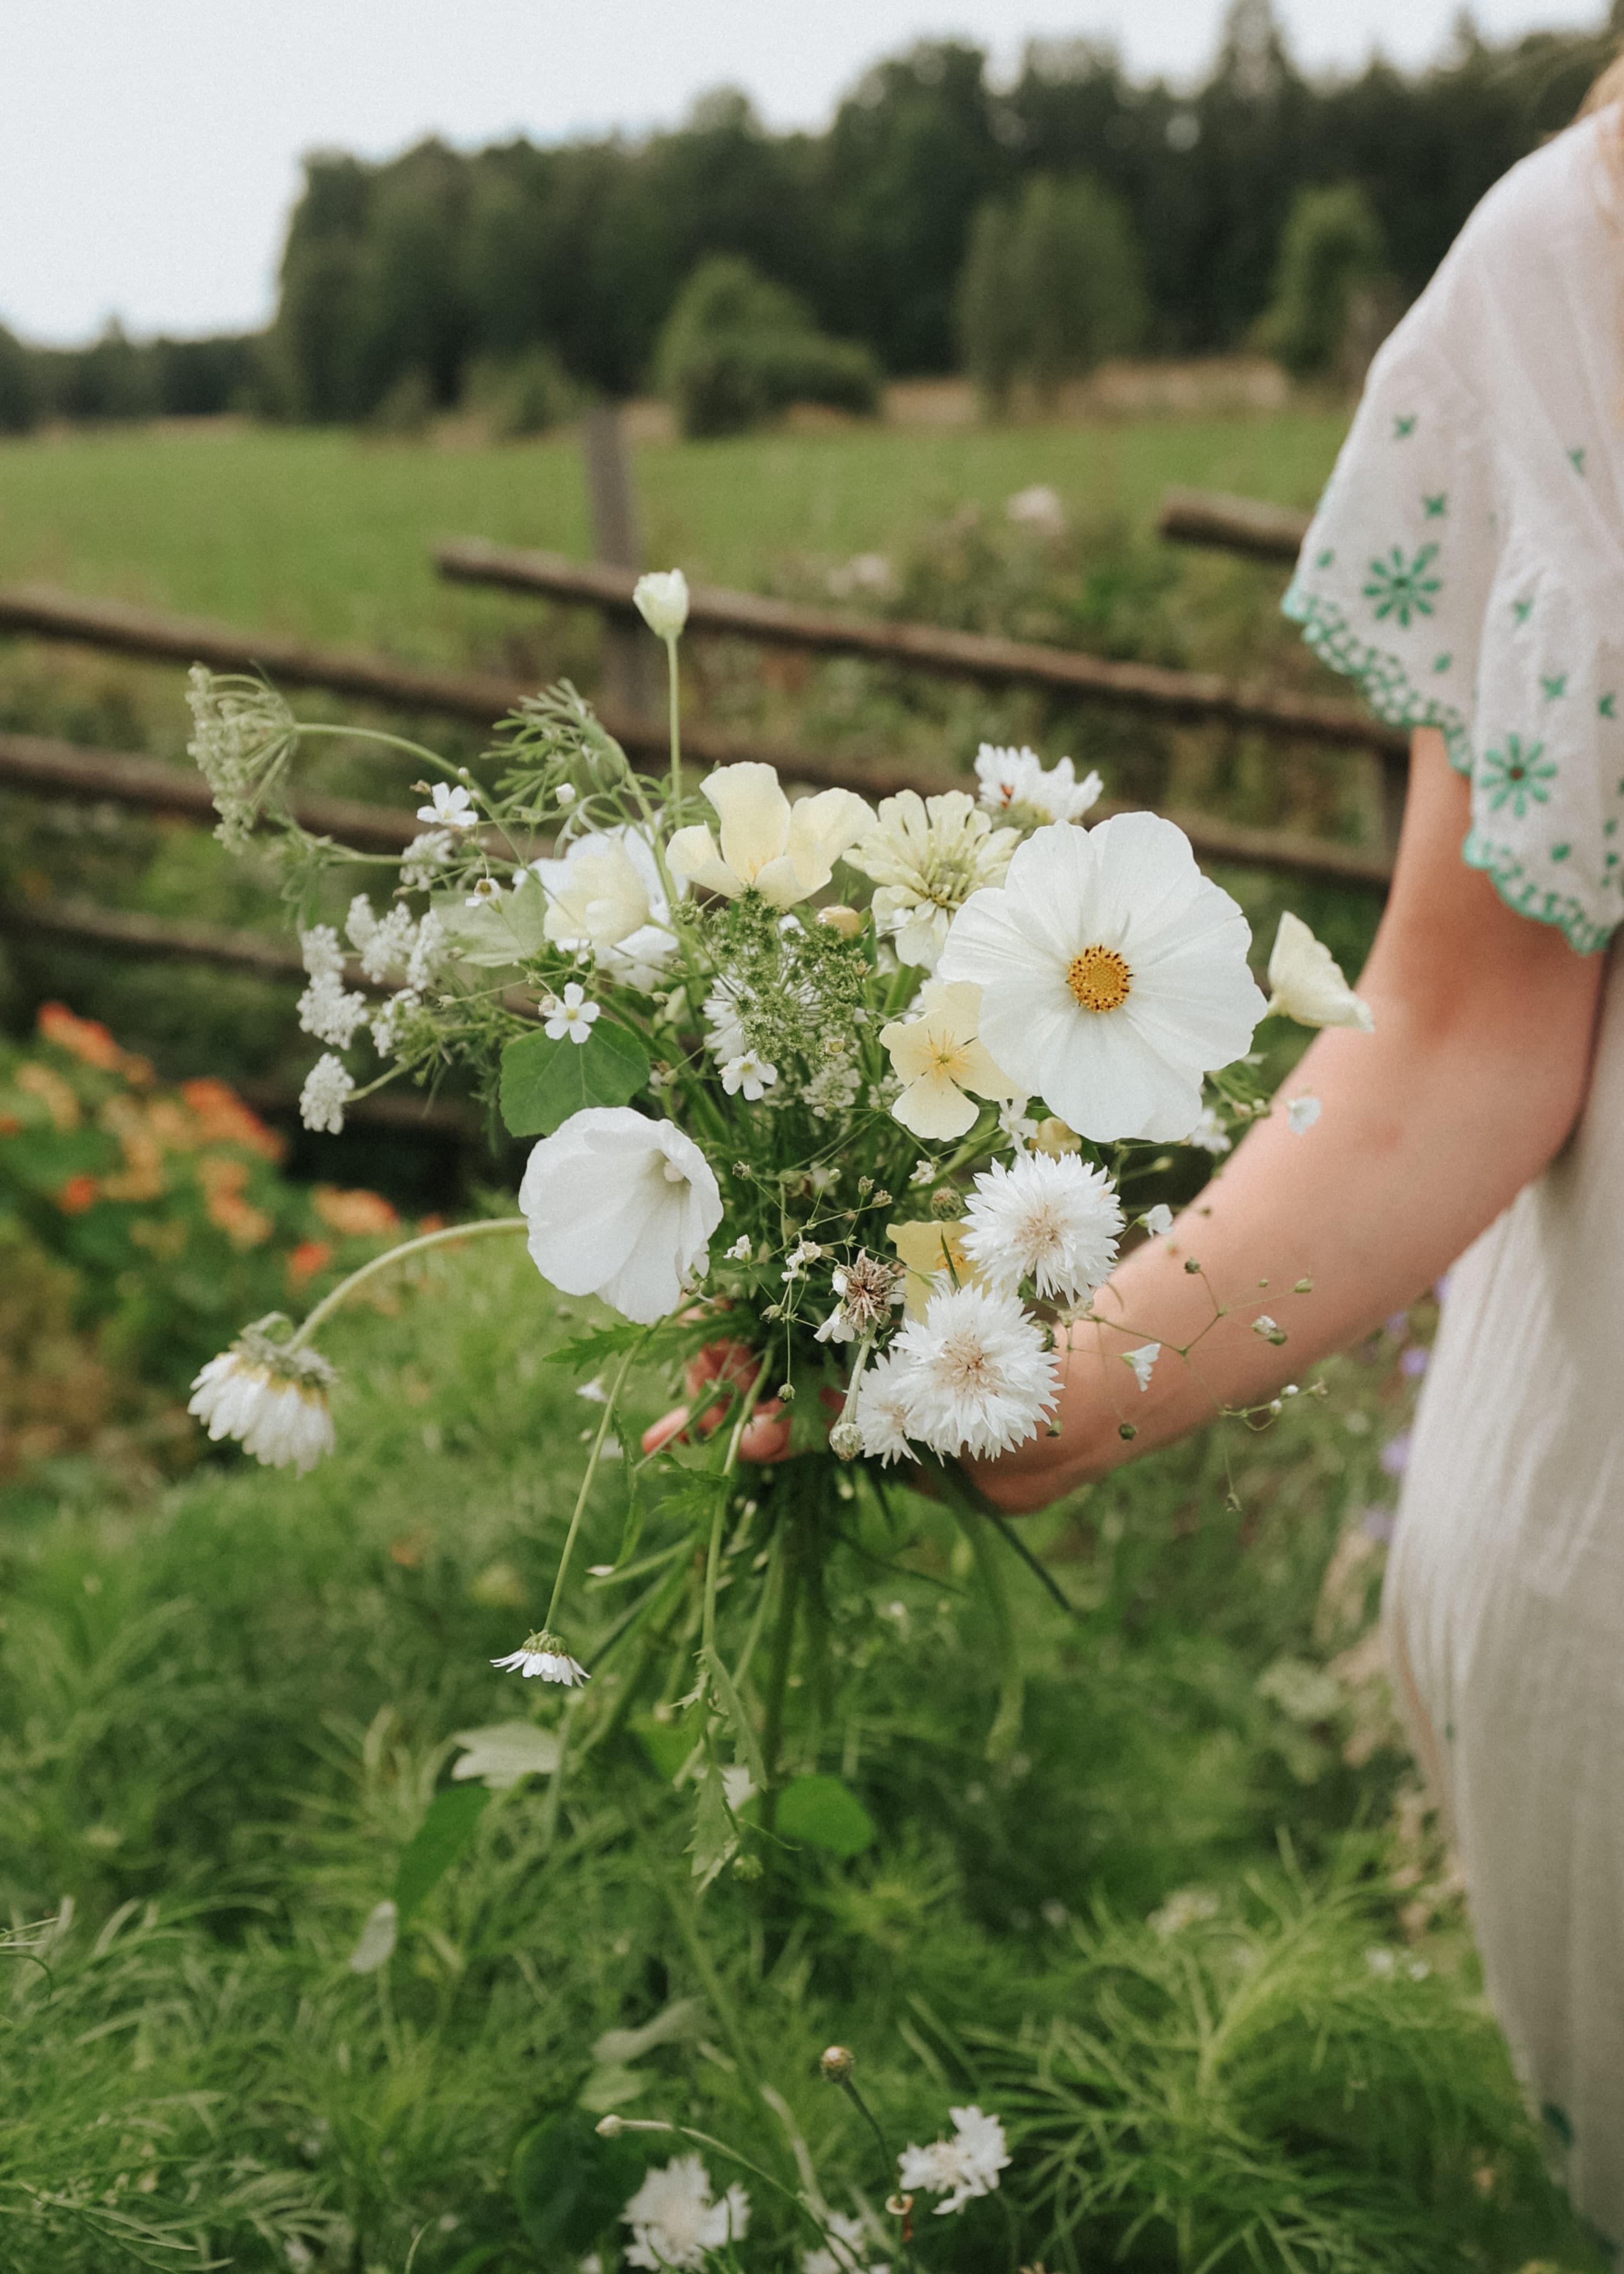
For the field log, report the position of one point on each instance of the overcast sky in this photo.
(149, 149)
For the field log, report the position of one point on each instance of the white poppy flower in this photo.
(978, 1378)
(1113, 974)
(1018, 779)
(673, 2221)
(662, 602)
(451, 808)
(570, 1014)
(785, 852)
(1142, 1362)
(927, 855)
(622, 1207)
(1054, 1222)
(605, 898)
(938, 1057)
(273, 1399)
(1301, 1112)
(1306, 982)
(968, 2165)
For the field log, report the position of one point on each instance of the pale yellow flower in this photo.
(1306, 982)
(785, 852)
(927, 855)
(938, 1057)
(927, 1250)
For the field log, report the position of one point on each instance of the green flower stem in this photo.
(675, 709)
(392, 741)
(721, 2148)
(713, 1559)
(586, 1482)
(1006, 1724)
(347, 1287)
(778, 1674)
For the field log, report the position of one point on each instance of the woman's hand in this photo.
(767, 1433)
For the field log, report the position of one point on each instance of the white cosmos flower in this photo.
(978, 1377)
(570, 1013)
(1301, 1112)
(662, 602)
(605, 898)
(785, 852)
(673, 2221)
(1054, 1222)
(622, 1207)
(938, 1057)
(451, 808)
(1142, 1362)
(927, 855)
(273, 1399)
(1016, 779)
(965, 2165)
(1306, 983)
(543, 1657)
(1113, 974)
(747, 1073)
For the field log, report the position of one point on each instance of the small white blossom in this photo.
(741, 1251)
(1015, 1124)
(451, 808)
(673, 2221)
(750, 1073)
(1142, 1361)
(594, 1393)
(1037, 507)
(1302, 1113)
(571, 1015)
(387, 1023)
(968, 2165)
(979, 1378)
(544, 1657)
(244, 736)
(805, 1252)
(486, 889)
(662, 602)
(1209, 1134)
(427, 952)
(321, 951)
(330, 1014)
(384, 945)
(1053, 1220)
(869, 1291)
(565, 794)
(1017, 781)
(1158, 1221)
(328, 1088)
(273, 1399)
(424, 858)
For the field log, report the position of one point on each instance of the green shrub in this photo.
(19, 394)
(1050, 287)
(1332, 248)
(521, 394)
(737, 349)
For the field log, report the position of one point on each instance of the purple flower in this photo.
(1414, 1361)
(1395, 1454)
(1377, 1523)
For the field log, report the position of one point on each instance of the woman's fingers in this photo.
(669, 1426)
(765, 1436)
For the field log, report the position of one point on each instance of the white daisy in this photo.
(979, 1378)
(570, 1013)
(753, 1076)
(273, 1399)
(1306, 983)
(1015, 780)
(1053, 1221)
(1113, 975)
(965, 2165)
(545, 1657)
(883, 1409)
(927, 855)
(1141, 1362)
(451, 808)
(673, 2221)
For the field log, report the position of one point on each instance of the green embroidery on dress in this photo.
(1442, 662)
(1522, 610)
(1555, 687)
(1514, 775)
(1577, 456)
(1603, 708)
(1324, 559)
(1435, 508)
(1503, 866)
(1381, 676)
(1399, 587)
(1403, 427)
(1560, 852)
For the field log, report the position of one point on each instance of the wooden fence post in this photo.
(630, 679)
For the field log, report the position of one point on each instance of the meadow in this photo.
(1193, 1935)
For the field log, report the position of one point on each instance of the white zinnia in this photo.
(673, 2221)
(662, 602)
(1113, 975)
(938, 1058)
(927, 855)
(965, 2165)
(1018, 779)
(1306, 983)
(570, 1013)
(785, 852)
(1052, 1221)
(451, 808)
(883, 1409)
(605, 898)
(979, 1379)
(622, 1207)
(273, 1399)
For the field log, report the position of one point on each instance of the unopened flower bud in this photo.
(836, 2063)
(1055, 1138)
(609, 2127)
(846, 1441)
(1126, 1431)
(847, 922)
(945, 1203)
(662, 602)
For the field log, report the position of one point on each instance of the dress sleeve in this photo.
(1466, 563)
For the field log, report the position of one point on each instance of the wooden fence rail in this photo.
(1193, 697)
(1233, 524)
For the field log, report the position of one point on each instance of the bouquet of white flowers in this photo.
(852, 1161)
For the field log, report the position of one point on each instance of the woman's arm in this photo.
(1470, 1082)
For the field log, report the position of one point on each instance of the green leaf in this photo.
(441, 1839)
(568, 2182)
(502, 933)
(590, 1350)
(714, 1838)
(544, 1083)
(506, 1753)
(825, 1814)
(746, 1748)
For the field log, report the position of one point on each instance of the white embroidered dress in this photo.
(1466, 566)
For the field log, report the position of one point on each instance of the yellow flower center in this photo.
(1099, 979)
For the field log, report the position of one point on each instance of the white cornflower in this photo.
(570, 1013)
(939, 1057)
(927, 856)
(1037, 507)
(741, 1251)
(273, 1399)
(1016, 780)
(328, 1088)
(662, 602)
(605, 898)
(1142, 1361)
(243, 734)
(451, 808)
(1113, 975)
(846, 2250)
(784, 852)
(543, 1655)
(1302, 1113)
(1054, 1222)
(673, 2221)
(1158, 1221)
(424, 858)
(1209, 1134)
(486, 889)
(622, 1207)
(979, 1379)
(965, 2165)
(748, 1073)
(805, 1252)
(883, 1409)
(1306, 983)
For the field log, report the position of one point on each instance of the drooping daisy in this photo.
(782, 851)
(1053, 1221)
(673, 2221)
(1306, 983)
(620, 1207)
(451, 807)
(1113, 975)
(273, 1399)
(543, 1657)
(938, 1056)
(979, 1379)
(571, 1013)
(968, 2165)
(927, 855)
(1016, 781)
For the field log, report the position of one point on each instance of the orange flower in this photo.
(54, 1094)
(361, 1215)
(88, 1039)
(225, 1116)
(309, 1257)
(79, 1193)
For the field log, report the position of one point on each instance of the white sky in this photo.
(149, 148)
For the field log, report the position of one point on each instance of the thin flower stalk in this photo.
(605, 1417)
(347, 1287)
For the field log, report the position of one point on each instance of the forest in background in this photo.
(441, 275)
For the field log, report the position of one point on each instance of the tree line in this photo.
(1076, 212)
